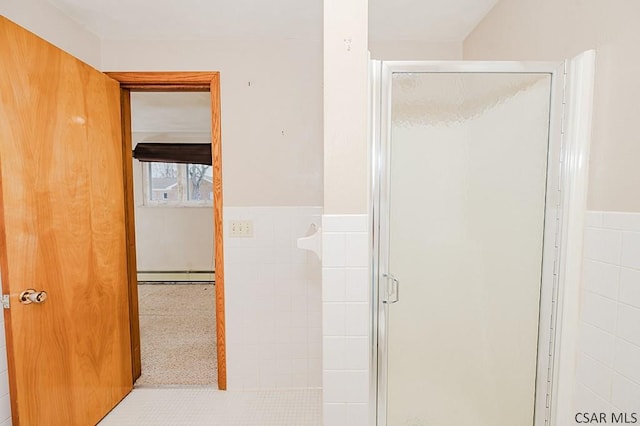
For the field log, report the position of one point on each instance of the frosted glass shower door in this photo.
(466, 188)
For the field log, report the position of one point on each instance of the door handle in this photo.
(32, 296)
(393, 290)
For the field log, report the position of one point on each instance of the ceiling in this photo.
(423, 20)
(170, 111)
(171, 116)
(197, 19)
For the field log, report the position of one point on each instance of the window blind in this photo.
(191, 153)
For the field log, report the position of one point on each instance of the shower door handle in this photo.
(392, 289)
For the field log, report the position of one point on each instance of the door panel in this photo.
(467, 187)
(63, 220)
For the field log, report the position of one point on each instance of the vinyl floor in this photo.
(211, 407)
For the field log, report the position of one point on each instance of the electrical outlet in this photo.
(241, 228)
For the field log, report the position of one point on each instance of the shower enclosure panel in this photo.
(466, 201)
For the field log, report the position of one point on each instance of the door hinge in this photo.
(5, 301)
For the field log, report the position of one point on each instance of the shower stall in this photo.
(472, 206)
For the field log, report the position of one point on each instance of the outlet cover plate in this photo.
(240, 228)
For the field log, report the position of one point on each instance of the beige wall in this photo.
(414, 50)
(346, 108)
(43, 19)
(271, 111)
(558, 29)
(170, 238)
(272, 129)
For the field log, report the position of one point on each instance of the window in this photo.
(178, 184)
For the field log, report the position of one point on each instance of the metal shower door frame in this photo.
(381, 73)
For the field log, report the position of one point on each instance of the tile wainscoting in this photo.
(273, 300)
(608, 359)
(346, 318)
(279, 316)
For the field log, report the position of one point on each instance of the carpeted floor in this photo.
(177, 334)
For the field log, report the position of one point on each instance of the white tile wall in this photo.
(273, 298)
(346, 319)
(608, 362)
(5, 402)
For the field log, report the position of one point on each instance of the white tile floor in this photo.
(211, 407)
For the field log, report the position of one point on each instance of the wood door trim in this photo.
(182, 81)
(129, 211)
(216, 154)
(190, 81)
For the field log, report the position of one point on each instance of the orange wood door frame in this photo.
(177, 82)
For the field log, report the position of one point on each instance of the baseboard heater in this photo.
(176, 276)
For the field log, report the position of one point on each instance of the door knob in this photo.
(32, 296)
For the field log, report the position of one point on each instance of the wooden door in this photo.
(62, 230)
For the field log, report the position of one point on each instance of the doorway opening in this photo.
(187, 283)
(173, 196)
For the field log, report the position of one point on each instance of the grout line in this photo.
(333, 370)
(614, 335)
(597, 327)
(615, 326)
(629, 305)
(611, 370)
(591, 292)
(624, 376)
(620, 262)
(610, 228)
(618, 265)
(621, 374)
(635, 345)
(596, 394)
(609, 367)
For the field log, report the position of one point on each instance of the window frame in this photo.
(182, 182)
